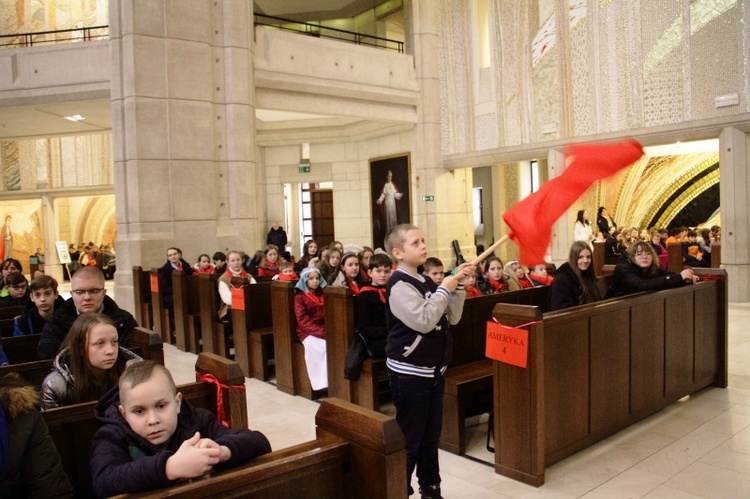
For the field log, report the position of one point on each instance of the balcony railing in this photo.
(319, 31)
(71, 35)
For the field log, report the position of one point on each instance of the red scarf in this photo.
(315, 299)
(472, 292)
(354, 287)
(179, 267)
(525, 283)
(380, 291)
(497, 286)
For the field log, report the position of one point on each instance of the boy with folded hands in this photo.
(150, 437)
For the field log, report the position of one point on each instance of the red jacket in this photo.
(310, 316)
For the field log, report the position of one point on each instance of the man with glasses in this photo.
(88, 295)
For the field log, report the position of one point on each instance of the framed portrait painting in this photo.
(389, 194)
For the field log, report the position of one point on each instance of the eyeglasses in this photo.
(22, 286)
(89, 292)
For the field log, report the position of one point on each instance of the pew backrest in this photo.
(142, 297)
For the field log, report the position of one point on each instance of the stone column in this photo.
(52, 265)
(183, 130)
(448, 217)
(734, 147)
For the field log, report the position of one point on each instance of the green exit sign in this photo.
(303, 168)
(428, 198)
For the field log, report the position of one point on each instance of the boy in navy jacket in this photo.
(151, 438)
(418, 350)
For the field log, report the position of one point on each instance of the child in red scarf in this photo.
(309, 309)
(495, 277)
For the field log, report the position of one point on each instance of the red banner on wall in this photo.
(507, 344)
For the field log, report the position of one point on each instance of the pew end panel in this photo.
(187, 315)
(214, 333)
(228, 373)
(162, 319)
(291, 370)
(339, 303)
(518, 423)
(253, 330)
(377, 447)
(144, 314)
(7, 320)
(148, 344)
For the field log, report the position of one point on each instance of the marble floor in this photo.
(696, 448)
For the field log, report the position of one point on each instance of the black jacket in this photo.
(278, 238)
(165, 281)
(566, 290)
(55, 330)
(371, 323)
(123, 462)
(629, 278)
(31, 322)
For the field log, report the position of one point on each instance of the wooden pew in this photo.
(596, 369)
(21, 349)
(144, 314)
(144, 342)
(601, 268)
(291, 371)
(7, 320)
(162, 320)
(468, 381)
(187, 313)
(253, 330)
(73, 427)
(357, 453)
(674, 258)
(215, 334)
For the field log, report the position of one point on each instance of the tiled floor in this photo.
(698, 447)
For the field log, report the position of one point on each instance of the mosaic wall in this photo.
(619, 64)
(24, 16)
(58, 162)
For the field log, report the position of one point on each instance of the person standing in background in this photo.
(277, 237)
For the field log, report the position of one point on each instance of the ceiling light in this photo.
(75, 117)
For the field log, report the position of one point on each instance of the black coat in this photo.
(566, 290)
(629, 278)
(277, 237)
(124, 462)
(165, 281)
(31, 322)
(55, 330)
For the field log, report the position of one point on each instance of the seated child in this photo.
(538, 274)
(691, 252)
(149, 437)
(433, 268)
(370, 306)
(470, 285)
(17, 287)
(309, 309)
(269, 264)
(495, 277)
(286, 272)
(42, 305)
(88, 365)
(352, 277)
(516, 275)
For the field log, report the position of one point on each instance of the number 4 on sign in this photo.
(507, 344)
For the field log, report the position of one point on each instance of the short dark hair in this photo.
(219, 256)
(43, 282)
(431, 263)
(379, 260)
(15, 278)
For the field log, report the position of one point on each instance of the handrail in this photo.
(39, 37)
(318, 31)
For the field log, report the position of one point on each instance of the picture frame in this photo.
(390, 198)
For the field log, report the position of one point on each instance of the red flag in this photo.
(532, 218)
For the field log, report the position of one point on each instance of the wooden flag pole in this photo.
(489, 250)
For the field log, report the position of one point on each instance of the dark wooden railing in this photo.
(319, 31)
(83, 34)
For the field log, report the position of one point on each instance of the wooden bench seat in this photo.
(595, 369)
(468, 391)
